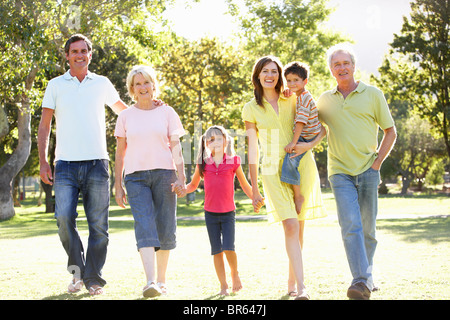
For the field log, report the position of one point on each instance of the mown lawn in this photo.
(412, 259)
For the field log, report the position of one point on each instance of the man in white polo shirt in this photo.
(77, 99)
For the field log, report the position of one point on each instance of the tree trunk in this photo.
(19, 157)
(405, 184)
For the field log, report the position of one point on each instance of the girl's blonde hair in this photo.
(148, 73)
(204, 153)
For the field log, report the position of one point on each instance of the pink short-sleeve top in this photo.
(148, 133)
(219, 184)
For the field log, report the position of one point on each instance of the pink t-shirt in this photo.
(148, 135)
(219, 184)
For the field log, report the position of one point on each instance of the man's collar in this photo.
(68, 76)
(359, 88)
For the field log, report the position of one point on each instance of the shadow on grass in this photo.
(67, 296)
(433, 230)
(28, 229)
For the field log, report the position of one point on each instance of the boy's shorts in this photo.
(289, 170)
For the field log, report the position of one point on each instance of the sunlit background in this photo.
(370, 23)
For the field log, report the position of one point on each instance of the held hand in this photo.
(257, 202)
(299, 148)
(121, 198)
(179, 187)
(258, 206)
(290, 147)
(45, 172)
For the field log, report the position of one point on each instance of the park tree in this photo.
(424, 42)
(416, 152)
(32, 36)
(292, 30)
(418, 147)
(203, 82)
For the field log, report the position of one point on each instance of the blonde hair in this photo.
(204, 153)
(148, 73)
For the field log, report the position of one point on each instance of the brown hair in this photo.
(257, 68)
(75, 38)
(297, 68)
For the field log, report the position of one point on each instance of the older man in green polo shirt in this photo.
(353, 112)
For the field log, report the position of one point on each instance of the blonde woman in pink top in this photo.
(149, 153)
(218, 165)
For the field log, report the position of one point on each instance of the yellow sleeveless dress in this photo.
(274, 133)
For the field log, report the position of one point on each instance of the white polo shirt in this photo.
(79, 110)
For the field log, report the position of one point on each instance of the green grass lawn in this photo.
(412, 259)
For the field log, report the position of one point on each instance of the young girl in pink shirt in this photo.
(217, 164)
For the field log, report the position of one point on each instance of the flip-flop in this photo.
(292, 293)
(95, 291)
(74, 287)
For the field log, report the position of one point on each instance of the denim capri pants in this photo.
(153, 205)
(221, 230)
(289, 170)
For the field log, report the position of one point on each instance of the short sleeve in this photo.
(120, 130)
(237, 163)
(247, 113)
(49, 100)
(112, 96)
(175, 125)
(303, 108)
(382, 113)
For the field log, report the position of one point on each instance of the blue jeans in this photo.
(154, 207)
(357, 207)
(91, 179)
(221, 230)
(289, 169)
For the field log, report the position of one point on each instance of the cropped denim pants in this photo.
(221, 230)
(154, 207)
(357, 206)
(289, 169)
(91, 179)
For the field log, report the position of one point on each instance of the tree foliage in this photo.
(292, 30)
(424, 40)
(202, 80)
(32, 36)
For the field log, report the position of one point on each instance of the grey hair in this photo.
(341, 47)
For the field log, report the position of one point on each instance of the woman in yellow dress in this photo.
(269, 119)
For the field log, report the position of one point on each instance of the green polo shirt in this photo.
(352, 127)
